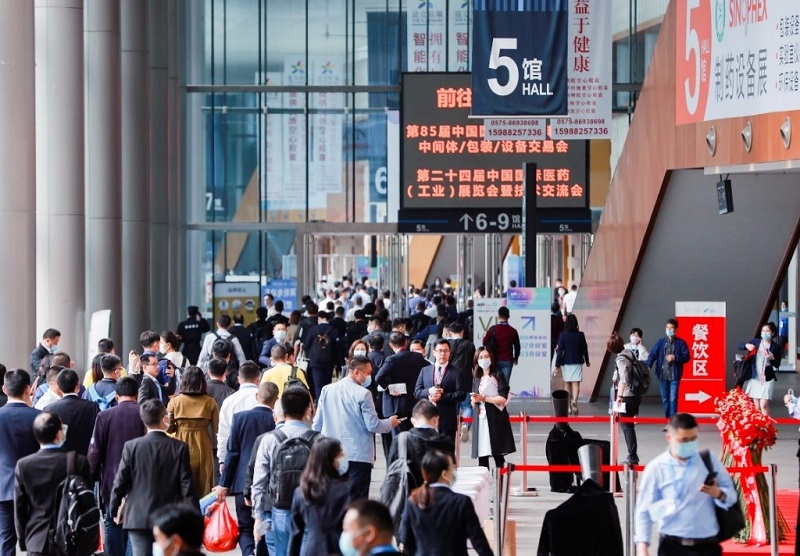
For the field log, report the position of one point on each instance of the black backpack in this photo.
(640, 376)
(233, 362)
(75, 529)
(293, 380)
(398, 482)
(321, 352)
(288, 461)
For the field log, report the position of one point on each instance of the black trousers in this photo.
(632, 404)
(667, 547)
(359, 476)
(499, 461)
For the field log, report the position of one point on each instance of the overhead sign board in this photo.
(519, 58)
(447, 162)
(489, 221)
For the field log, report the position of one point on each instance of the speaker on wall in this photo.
(724, 196)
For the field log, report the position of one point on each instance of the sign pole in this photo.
(529, 225)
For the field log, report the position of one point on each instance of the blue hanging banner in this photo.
(519, 58)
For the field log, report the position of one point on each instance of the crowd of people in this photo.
(282, 416)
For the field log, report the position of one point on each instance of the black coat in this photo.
(154, 472)
(592, 513)
(404, 366)
(454, 393)
(420, 440)
(246, 427)
(36, 483)
(17, 441)
(501, 437)
(191, 333)
(80, 416)
(38, 353)
(322, 524)
(443, 528)
(245, 338)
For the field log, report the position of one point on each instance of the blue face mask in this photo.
(685, 450)
(670, 332)
(367, 382)
(766, 335)
(346, 545)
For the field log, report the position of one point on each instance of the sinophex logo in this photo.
(719, 19)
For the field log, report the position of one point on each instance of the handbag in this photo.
(731, 520)
(221, 531)
(743, 368)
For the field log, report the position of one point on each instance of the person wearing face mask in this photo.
(36, 481)
(669, 354)
(768, 357)
(319, 503)
(281, 369)
(178, 530)
(346, 411)
(493, 435)
(367, 530)
(677, 490)
(154, 472)
(279, 338)
(636, 346)
(434, 508)
(48, 346)
(402, 367)
(622, 380)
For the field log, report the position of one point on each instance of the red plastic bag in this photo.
(221, 531)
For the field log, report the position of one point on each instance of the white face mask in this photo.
(484, 363)
(280, 335)
(634, 339)
(359, 352)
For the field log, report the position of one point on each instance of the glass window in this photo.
(286, 41)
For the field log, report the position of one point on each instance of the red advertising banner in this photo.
(702, 326)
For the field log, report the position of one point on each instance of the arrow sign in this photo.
(700, 397)
(466, 219)
(529, 322)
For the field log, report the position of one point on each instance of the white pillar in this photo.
(60, 285)
(18, 334)
(103, 161)
(135, 172)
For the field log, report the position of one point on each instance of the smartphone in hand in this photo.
(710, 478)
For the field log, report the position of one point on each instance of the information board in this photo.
(446, 161)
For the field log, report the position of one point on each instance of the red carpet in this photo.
(787, 502)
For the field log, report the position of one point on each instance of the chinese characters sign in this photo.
(447, 162)
(736, 58)
(519, 58)
(702, 326)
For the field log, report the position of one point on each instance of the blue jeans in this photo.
(268, 539)
(466, 410)
(116, 541)
(505, 368)
(281, 530)
(669, 396)
(8, 534)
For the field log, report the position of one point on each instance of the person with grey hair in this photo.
(346, 411)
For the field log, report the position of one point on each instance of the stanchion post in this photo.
(458, 441)
(497, 514)
(524, 439)
(614, 452)
(630, 501)
(773, 510)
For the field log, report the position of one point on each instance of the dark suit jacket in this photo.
(421, 530)
(454, 393)
(322, 524)
(80, 416)
(337, 357)
(420, 440)
(246, 339)
(38, 353)
(777, 354)
(572, 349)
(246, 427)
(112, 429)
(17, 441)
(148, 389)
(404, 366)
(36, 483)
(154, 472)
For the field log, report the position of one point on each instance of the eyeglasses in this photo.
(151, 363)
(442, 350)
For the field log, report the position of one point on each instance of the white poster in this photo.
(736, 58)
(530, 315)
(484, 316)
(426, 28)
(294, 129)
(458, 35)
(275, 195)
(589, 74)
(326, 127)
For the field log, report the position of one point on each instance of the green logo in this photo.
(719, 19)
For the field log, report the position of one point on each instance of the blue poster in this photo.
(519, 58)
(284, 289)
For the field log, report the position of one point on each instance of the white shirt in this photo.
(47, 398)
(569, 300)
(242, 400)
(638, 349)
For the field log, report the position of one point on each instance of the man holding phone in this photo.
(399, 372)
(442, 384)
(678, 491)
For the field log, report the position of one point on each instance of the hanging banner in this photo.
(283, 289)
(294, 128)
(736, 58)
(589, 73)
(458, 35)
(530, 315)
(519, 58)
(702, 326)
(425, 35)
(327, 123)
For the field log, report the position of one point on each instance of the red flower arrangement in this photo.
(741, 424)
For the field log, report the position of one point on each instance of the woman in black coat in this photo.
(320, 502)
(492, 430)
(572, 353)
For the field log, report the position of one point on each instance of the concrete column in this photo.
(18, 334)
(159, 166)
(60, 285)
(135, 172)
(175, 183)
(103, 162)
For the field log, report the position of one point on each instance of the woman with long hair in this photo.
(437, 521)
(321, 500)
(192, 412)
(572, 353)
(493, 435)
(761, 383)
